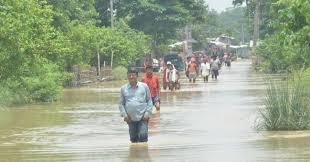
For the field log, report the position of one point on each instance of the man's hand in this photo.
(127, 119)
(146, 118)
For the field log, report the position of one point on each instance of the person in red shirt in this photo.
(152, 82)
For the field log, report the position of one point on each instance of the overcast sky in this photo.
(219, 5)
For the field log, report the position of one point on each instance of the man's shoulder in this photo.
(155, 77)
(124, 86)
(142, 84)
(144, 78)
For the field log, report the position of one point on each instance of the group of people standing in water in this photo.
(208, 65)
(138, 98)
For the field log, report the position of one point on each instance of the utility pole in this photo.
(242, 34)
(112, 14)
(185, 47)
(112, 26)
(256, 28)
(98, 59)
(188, 40)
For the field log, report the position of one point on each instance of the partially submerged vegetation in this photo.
(287, 104)
(119, 73)
(283, 48)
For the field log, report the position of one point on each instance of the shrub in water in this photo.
(46, 86)
(43, 86)
(119, 73)
(287, 106)
(9, 93)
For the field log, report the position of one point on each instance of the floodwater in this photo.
(212, 121)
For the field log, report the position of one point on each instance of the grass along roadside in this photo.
(287, 104)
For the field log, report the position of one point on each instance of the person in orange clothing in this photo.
(192, 70)
(152, 82)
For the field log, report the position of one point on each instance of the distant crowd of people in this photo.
(205, 66)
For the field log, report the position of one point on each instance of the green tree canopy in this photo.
(161, 18)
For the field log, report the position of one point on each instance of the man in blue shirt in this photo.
(136, 107)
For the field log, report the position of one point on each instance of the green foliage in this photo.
(8, 95)
(287, 106)
(119, 73)
(211, 29)
(271, 53)
(40, 84)
(71, 12)
(24, 32)
(229, 22)
(161, 19)
(41, 40)
(27, 41)
(306, 79)
(45, 85)
(232, 21)
(287, 48)
(88, 40)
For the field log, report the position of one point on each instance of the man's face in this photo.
(132, 77)
(149, 71)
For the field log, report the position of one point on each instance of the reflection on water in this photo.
(154, 128)
(139, 152)
(202, 122)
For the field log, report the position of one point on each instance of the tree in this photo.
(161, 19)
(27, 41)
(283, 29)
(90, 40)
(234, 22)
(229, 22)
(72, 12)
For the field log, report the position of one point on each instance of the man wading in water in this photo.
(192, 70)
(136, 107)
(152, 82)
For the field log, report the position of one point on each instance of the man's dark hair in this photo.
(149, 67)
(132, 70)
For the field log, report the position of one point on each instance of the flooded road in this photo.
(212, 121)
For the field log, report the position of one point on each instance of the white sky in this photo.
(219, 5)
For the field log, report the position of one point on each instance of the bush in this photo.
(119, 73)
(287, 105)
(305, 77)
(10, 94)
(43, 86)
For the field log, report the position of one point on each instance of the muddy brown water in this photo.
(212, 121)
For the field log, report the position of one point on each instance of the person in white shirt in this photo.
(165, 74)
(205, 70)
(173, 77)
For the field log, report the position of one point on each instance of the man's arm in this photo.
(149, 103)
(178, 76)
(197, 69)
(158, 87)
(167, 77)
(122, 103)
